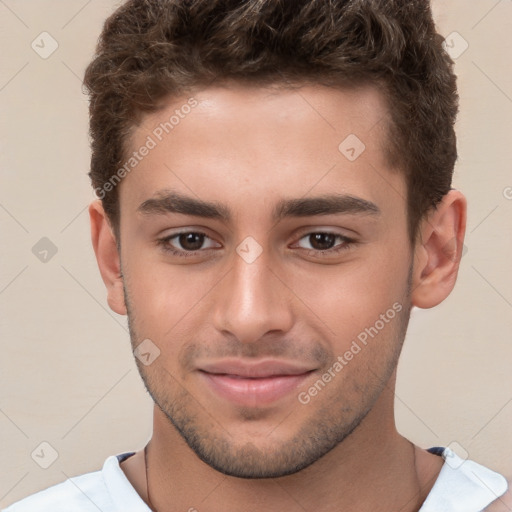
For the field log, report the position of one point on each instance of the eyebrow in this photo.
(329, 204)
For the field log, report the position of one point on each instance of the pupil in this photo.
(322, 241)
(191, 241)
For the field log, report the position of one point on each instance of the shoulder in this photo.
(85, 493)
(503, 503)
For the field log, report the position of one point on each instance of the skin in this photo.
(248, 148)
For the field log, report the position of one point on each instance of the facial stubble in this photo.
(332, 417)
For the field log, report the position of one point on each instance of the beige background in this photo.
(66, 371)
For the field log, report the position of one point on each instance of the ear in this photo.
(438, 251)
(107, 256)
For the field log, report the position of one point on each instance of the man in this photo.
(274, 183)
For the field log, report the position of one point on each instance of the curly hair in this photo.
(150, 50)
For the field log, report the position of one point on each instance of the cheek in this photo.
(345, 300)
(163, 297)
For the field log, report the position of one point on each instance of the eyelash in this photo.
(347, 244)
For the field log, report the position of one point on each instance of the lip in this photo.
(256, 383)
(255, 369)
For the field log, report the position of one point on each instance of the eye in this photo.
(190, 243)
(185, 242)
(325, 242)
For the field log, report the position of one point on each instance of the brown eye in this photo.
(191, 241)
(187, 243)
(322, 241)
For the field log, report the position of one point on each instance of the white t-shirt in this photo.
(462, 486)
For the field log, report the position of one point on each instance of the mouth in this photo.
(256, 384)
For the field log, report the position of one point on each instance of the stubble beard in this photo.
(325, 428)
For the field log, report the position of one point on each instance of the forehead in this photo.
(238, 144)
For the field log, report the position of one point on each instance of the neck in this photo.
(374, 468)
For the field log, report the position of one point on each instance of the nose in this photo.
(252, 301)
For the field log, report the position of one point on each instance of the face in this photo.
(265, 257)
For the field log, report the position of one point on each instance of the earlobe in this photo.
(107, 256)
(439, 251)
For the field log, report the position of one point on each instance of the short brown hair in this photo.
(150, 49)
